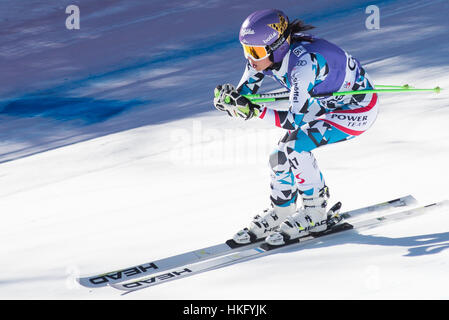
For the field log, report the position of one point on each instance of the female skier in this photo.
(307, 66)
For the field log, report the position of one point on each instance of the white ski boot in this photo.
(311, 218)
(262, 226)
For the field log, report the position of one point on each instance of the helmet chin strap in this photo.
(274, 66)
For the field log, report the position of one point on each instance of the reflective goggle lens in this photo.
(256, 53)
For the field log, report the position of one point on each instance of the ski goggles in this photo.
(258, 53)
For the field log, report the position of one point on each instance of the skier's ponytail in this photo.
(298, 26)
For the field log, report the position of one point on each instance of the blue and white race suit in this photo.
(308, 69)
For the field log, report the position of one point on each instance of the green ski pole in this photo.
(271, 97)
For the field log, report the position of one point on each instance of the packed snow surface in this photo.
(112, 154)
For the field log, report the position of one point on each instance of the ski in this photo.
(263, 249)
(157, 266)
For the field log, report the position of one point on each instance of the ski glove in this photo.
(226, 98)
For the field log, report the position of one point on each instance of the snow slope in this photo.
(112, 153)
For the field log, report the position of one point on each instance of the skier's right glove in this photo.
(227, 99)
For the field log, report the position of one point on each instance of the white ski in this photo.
(157, 266)
(263, 249)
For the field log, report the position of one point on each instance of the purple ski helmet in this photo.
(265, 33)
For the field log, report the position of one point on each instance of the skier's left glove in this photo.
(227, 99)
